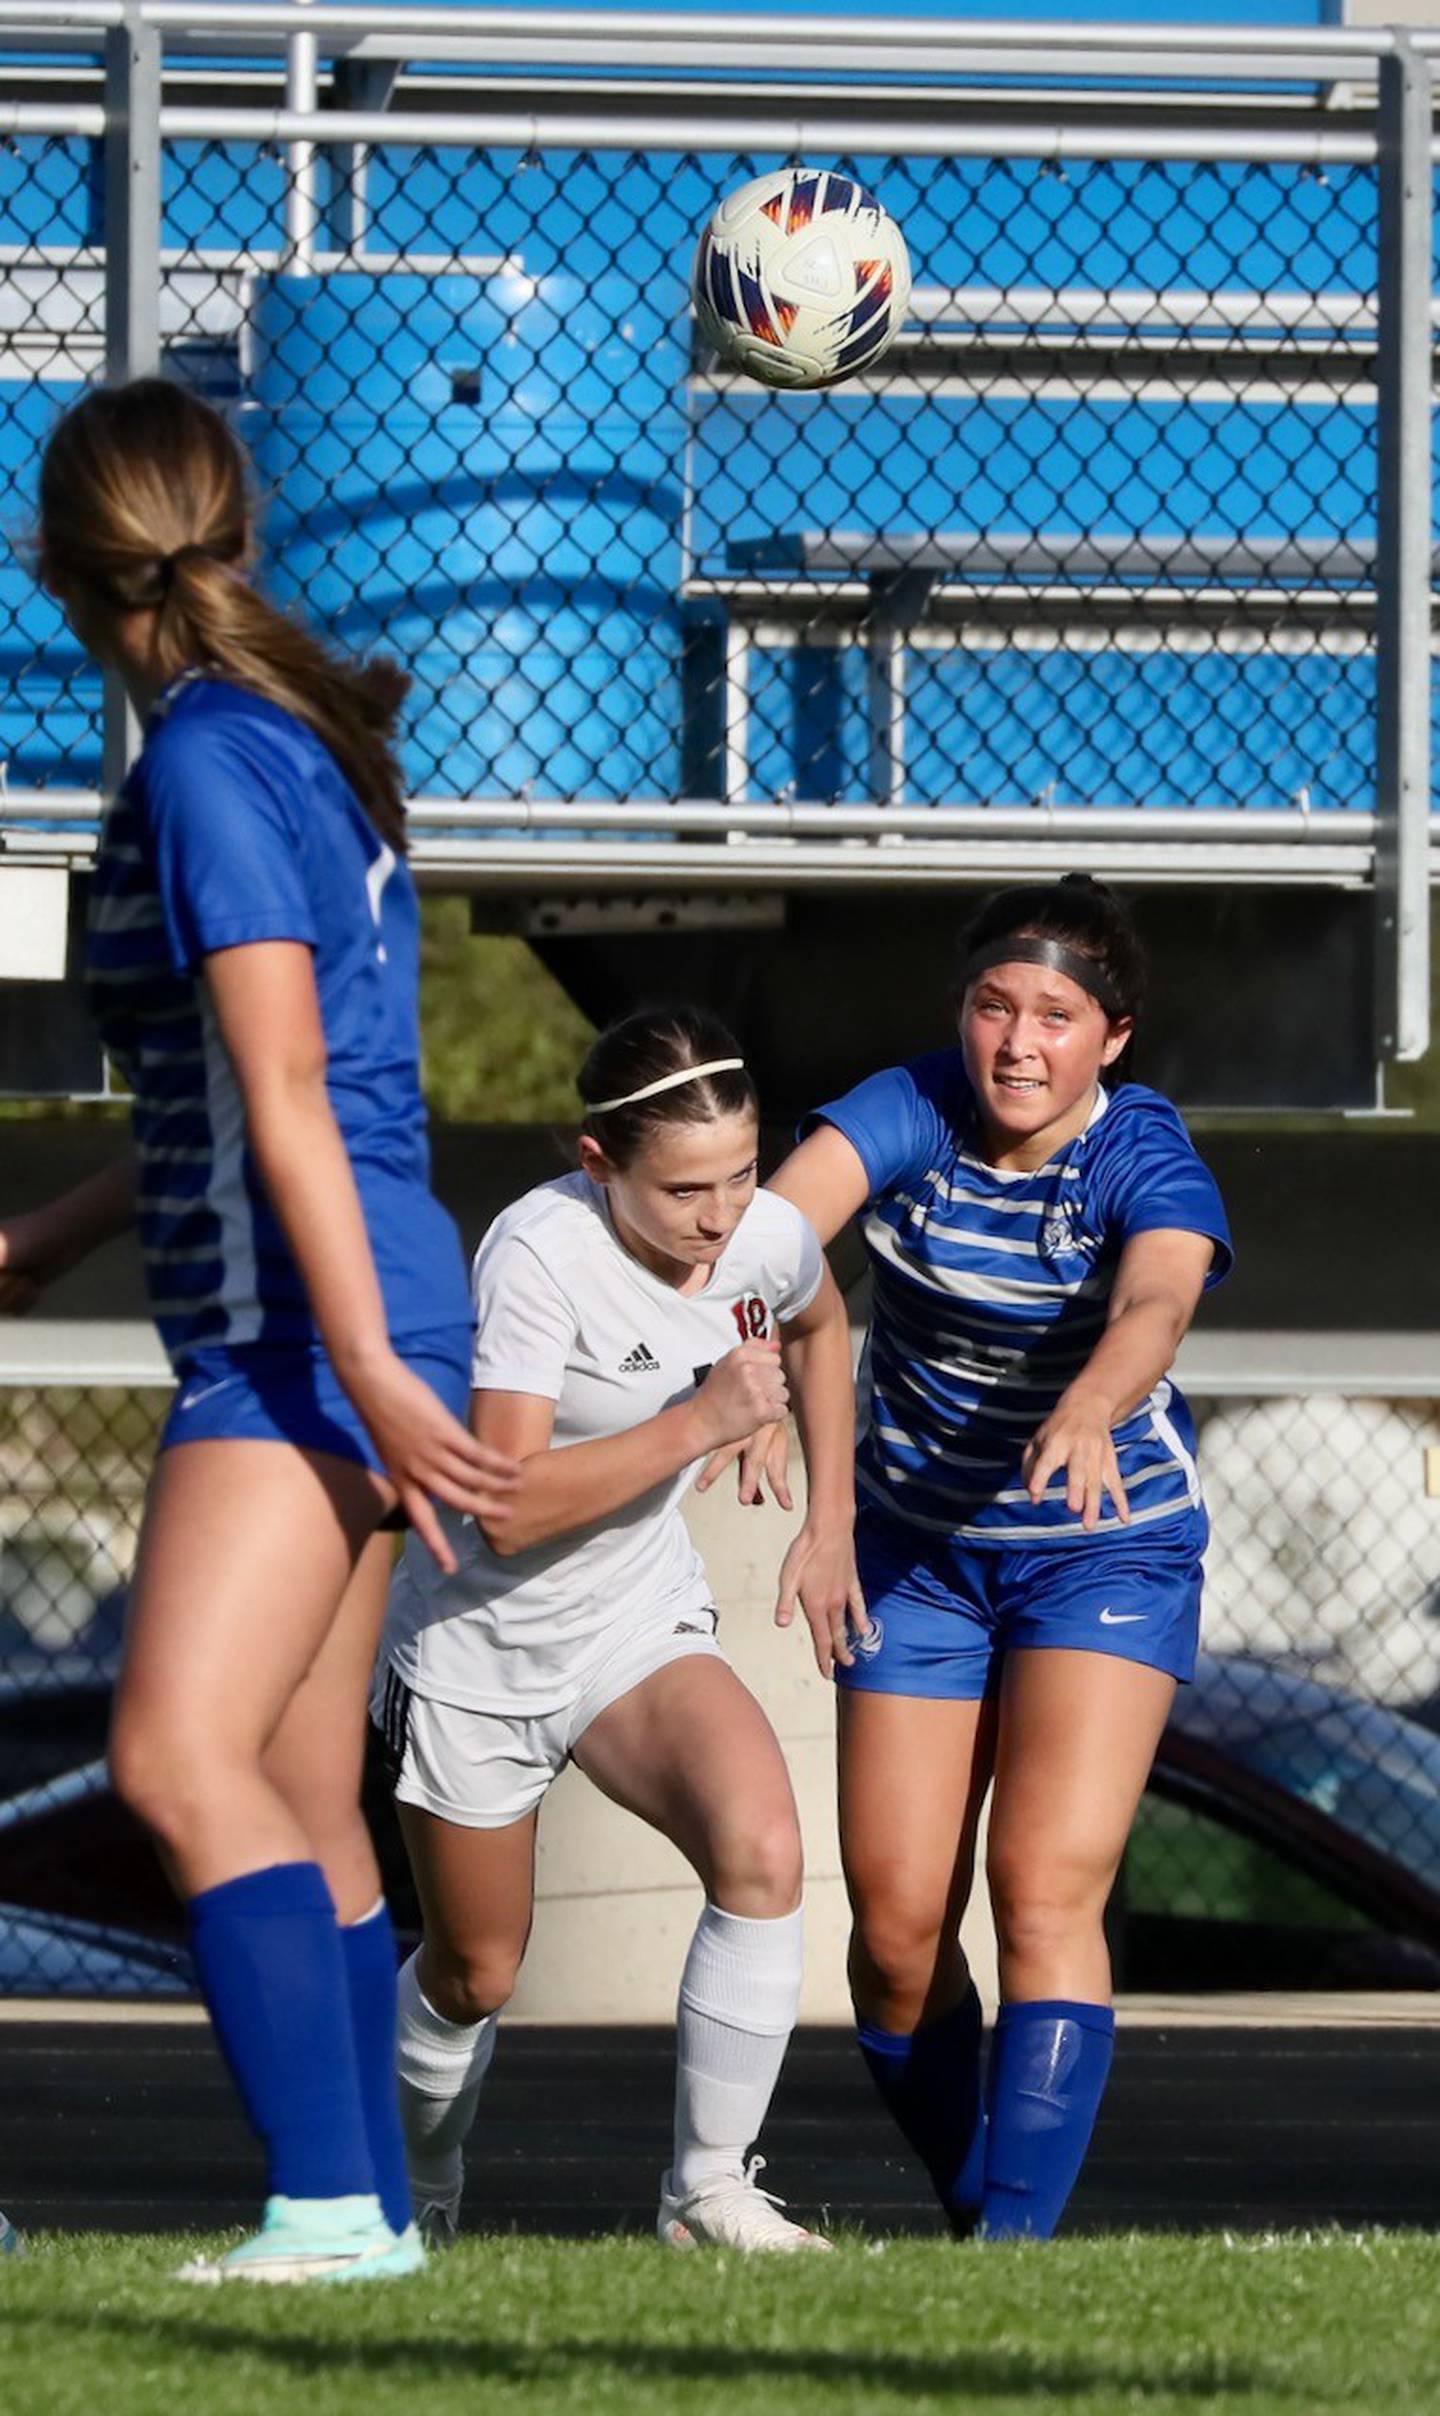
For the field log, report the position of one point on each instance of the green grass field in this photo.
(92, 2326)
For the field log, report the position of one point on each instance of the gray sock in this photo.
(441, 2068)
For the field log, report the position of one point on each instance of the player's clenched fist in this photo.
(743, 1390)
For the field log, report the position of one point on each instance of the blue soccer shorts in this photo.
(266, 1393)
(943, 1612)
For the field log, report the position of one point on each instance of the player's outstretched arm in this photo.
(571, 1487)
(42, 1243)
(269, 1018)
(1157, 1288)
(818, 1574)
(825, 1179)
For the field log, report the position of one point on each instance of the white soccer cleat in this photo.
(732, 2211)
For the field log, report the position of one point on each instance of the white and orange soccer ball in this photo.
(801, 277)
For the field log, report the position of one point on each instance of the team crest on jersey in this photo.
(1058, 1236)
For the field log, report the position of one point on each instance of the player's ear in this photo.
(594, 1162)
(1118, 1039)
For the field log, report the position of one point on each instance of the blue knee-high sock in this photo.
(930, 2080)
(272, 1972)
(1049, 2063)
(371, 1963)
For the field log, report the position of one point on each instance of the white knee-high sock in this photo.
(441, 2067)
(739, 1994)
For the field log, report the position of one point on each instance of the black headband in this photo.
(1091, 977)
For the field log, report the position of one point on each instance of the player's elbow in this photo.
(294, 1082)
(516, 1522)
(502, 1534)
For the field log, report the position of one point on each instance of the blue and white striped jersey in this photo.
(990, 1293)
(235, 824)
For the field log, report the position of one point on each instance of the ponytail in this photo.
(144, 507)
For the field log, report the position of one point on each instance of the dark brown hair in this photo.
(644, 1047)
(145, 506)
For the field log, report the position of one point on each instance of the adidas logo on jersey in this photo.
(641, 1362)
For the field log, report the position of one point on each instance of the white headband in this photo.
(667, 1082)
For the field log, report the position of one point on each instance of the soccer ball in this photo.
(801, 277)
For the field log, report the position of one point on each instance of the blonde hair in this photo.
(145, 507)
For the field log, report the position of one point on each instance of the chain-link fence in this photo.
(1110, 543)
(81, 1910)
(1094, 533)
(1099, 531)
(52, 342)
(1291, 1835)
(1122, 547)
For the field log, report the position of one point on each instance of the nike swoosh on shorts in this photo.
(193, 1400)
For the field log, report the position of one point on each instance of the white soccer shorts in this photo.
(485, 1769)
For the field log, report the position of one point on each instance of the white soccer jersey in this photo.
(564, 1311)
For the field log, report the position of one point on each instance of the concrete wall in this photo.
(616, 1904)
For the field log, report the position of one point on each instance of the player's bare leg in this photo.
(247, 1560)
(316, 1762)
(691, 1753)
(1078, 1733)
(246, 1556)
(477, 1892)
(316, 1758)
(913, 1775)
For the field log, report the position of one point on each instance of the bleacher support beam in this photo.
(132, 274)
(1404, 509)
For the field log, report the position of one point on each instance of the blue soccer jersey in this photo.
(235, 824)
(991, 1290)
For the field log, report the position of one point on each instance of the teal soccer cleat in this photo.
(316, 2240)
